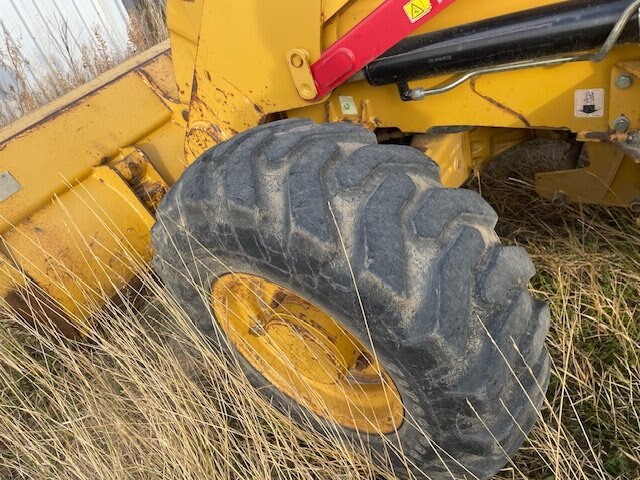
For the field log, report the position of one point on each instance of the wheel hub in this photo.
(308, 349)
(306, 354)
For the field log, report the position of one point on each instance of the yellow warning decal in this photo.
(416, 9)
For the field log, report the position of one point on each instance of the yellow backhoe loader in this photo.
(290, 169)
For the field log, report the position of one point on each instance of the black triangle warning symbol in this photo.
(416, 10)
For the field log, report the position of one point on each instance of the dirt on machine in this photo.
(294, 172)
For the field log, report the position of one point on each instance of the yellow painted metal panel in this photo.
(452, 152)
(241, 72)
(86, 244)
(183, 20)
(331, 7)
(63, 142)
(10, 277)
(459, 154)
(612, 178)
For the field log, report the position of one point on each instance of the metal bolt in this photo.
(297, 60)
(624, 81)
(621, 124)
(635, 205)
(306, 91)
(559, 199)
(258, 327)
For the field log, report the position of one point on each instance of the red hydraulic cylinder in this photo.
(387, 25)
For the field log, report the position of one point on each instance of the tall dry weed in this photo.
(588, 262)
(77, 64)
(147, 396)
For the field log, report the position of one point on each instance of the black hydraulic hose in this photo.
(570, 26)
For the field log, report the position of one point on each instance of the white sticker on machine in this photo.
(589, 103)
(348, 106)
(9, 186)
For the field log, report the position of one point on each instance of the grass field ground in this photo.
(146, 397)
(588, 262)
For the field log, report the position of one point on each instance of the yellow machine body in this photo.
(79, 179)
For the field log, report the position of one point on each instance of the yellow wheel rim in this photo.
(306, 354)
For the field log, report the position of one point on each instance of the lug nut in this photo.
(624, 81)
(621, 124)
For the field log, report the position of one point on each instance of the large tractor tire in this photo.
(357, 293)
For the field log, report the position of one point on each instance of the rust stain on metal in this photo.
(501, 106)
(597, 135)
(151, 193)
(37, 308)
(221, 92)
(162, 94)
(194, 89)
(238, 90)
(146, 183)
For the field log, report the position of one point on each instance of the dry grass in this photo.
(588, 261)
(81, 64)
(145, 396)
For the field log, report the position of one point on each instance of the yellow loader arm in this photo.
(80, 179)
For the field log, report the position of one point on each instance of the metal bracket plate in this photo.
(9, 186)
